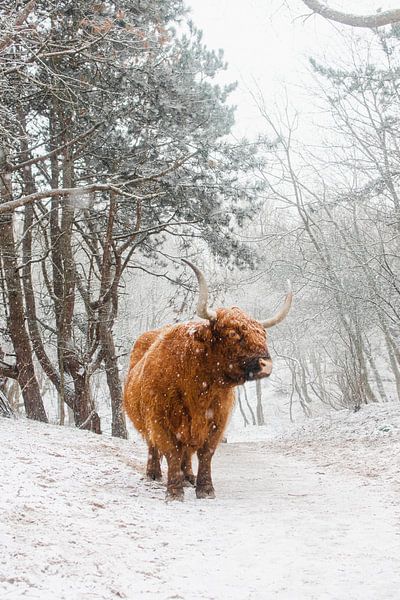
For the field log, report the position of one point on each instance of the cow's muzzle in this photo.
(258, 368)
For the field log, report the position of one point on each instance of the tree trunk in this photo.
(245, 420)
(118, 425)
(5, 407)
(253, 418)
(259, 410)
(85, 415)
(106, 315)
(33, 402)
(378, 379)
(26, 373)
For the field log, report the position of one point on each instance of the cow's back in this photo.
(142, 344)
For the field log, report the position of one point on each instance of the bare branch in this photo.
(11, 205)
(57, 150)
(9, 371)
(20, 20)
(380, 19)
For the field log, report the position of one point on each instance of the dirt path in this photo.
(77, 521)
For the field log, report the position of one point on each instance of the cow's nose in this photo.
(265, 367)
(259, 368)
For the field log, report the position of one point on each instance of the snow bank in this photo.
(366, 442)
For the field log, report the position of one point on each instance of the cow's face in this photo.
(241, 344)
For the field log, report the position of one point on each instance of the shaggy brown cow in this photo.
(180, 386)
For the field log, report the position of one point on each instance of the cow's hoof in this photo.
(174, 494)
(206, 491)
(189, 480)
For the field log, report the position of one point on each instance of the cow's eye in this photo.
(234, 335)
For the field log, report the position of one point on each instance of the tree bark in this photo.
(33, 402)
(259, 410)
(107, 311)
(253, 418)
(118, 424)
(64, 284)
(245, 420)
(85, 415)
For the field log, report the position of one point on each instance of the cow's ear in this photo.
(203, 333)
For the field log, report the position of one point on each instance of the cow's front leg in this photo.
(204, 485)
(188, 475)
(153, 470)
(175, 475)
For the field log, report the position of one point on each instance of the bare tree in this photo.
(23, 369)
(339, 240)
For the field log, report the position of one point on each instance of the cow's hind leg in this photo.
(153, 470)
(188, 475)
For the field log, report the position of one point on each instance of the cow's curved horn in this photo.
(282, 313)
(202, 309)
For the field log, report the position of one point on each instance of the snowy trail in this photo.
(77, 521)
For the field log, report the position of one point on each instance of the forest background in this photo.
(118, 155)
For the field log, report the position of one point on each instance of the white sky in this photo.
(267, 44)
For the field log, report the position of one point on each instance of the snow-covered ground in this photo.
(302, 512)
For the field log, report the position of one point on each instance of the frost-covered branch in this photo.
(380, 19)
(11, 205)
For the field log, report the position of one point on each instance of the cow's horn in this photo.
(202, 309)
(282, 313)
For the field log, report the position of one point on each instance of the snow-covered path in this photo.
(77, 521)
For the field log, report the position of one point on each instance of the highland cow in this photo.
(180, 387)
